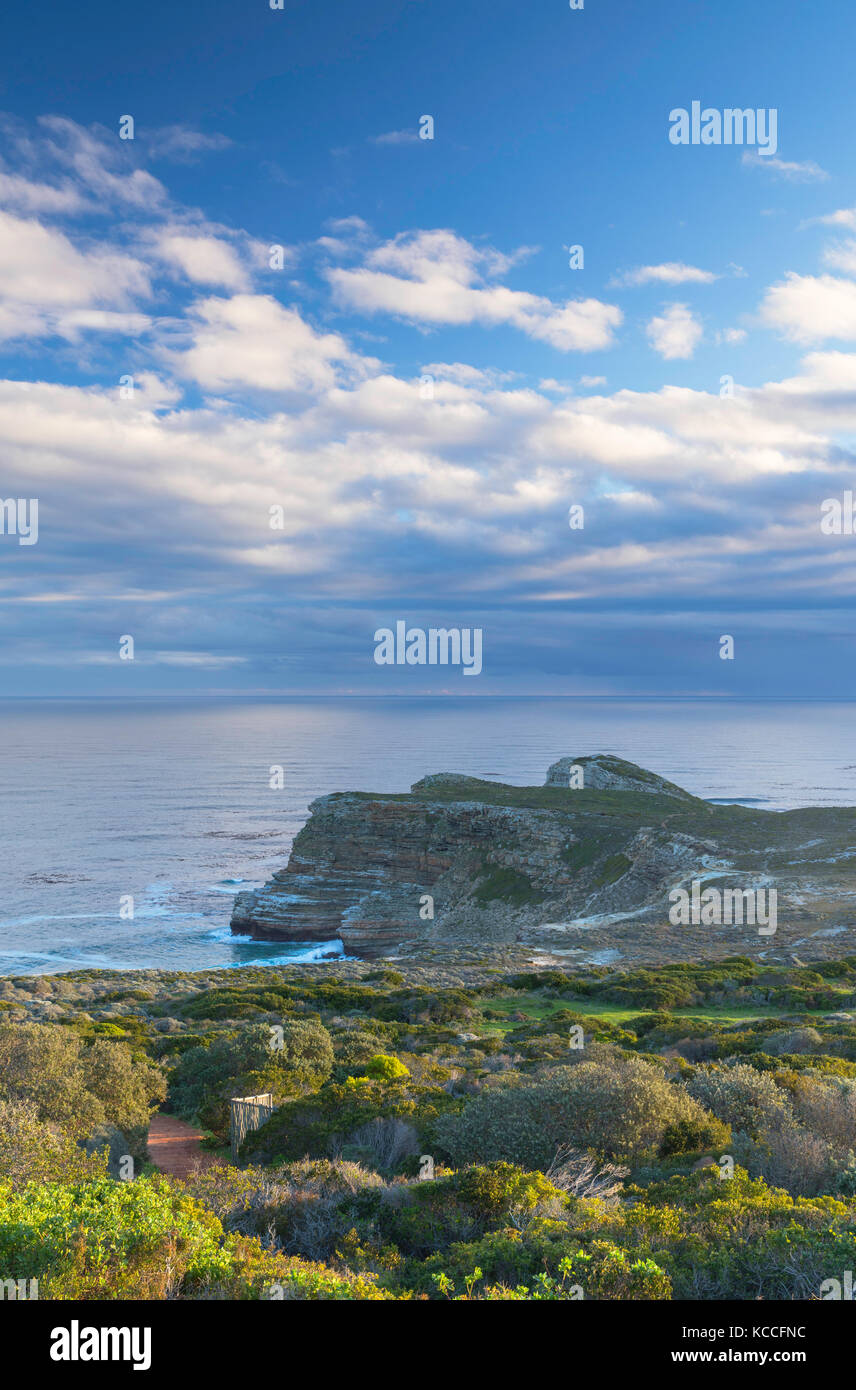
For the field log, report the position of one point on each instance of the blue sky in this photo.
(442, 503)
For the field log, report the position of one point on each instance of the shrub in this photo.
(742, 1097)
(384, 1143)
(32, 1151)
(504, 885)
(497, 1190)
(579, 1175)
(793, 1040)
(845, 1178)
(355, 1048)
(128, 1089)
(206, 1078)
(692, 1132)
(605, 1271)
(620, 1109)
(827, 1108)
(382, 1067)
(78, 1086)
(105, 1239)
(793, 1158)
(148, 1240)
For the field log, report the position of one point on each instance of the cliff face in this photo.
(352, 849)
(582, 875)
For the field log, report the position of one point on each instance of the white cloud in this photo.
(844, 217)
(42, 273)
(22, 195)
(669, 273)
(793, 171)
(841, 257)
(438, 277)
(467, 375)
(396, 137)
(41, 266)
(351, 226)
(676, 333)
(71, 324)
(252, 340)
(484, 475)
(205, 260)
(102, 164)
(379, 483)
(206, 660)
(182, 144)
(811, 308)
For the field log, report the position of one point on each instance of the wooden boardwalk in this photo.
(174, 1147)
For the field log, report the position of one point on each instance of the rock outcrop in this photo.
(582, 873)
(602, 772)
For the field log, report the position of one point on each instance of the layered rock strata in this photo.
(582, 875)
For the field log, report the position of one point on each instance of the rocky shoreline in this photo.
(578, 871)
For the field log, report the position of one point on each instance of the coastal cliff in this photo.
(581, 872)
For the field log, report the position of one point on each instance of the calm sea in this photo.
(169, 801)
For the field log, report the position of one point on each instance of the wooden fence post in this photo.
(248, 1113)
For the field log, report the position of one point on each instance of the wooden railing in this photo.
(247, 1113)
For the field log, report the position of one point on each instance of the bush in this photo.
(128, 1089)
(382, 1067)
(498, 1190)
(383, 1143)
(355, 1048)
(827, 1108)
(793, 1158)
(249, 1062)
(32, 1151)
(78, 1086)
(740, 1096)
(845, 1178)
(148, 1240)
(105, 1239)
(794, 1040)
(620, 1109)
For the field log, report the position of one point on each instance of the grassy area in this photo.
(504, 885)
(539, 1009)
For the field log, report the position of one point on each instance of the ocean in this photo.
(169, 801)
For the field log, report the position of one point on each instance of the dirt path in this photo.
(174, 1147)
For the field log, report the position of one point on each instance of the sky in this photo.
(370, 296)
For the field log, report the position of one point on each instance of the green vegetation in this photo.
(504, 885)
(613, 867)
(681, 1132)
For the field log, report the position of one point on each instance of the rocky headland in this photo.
(566, 873)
